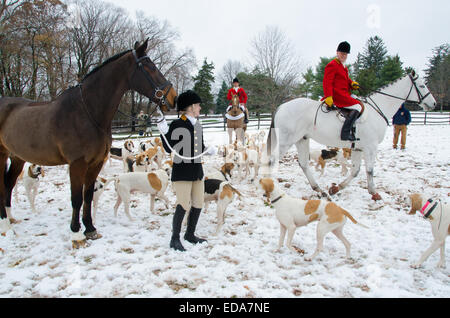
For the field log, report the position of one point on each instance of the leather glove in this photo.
(329, 101)
(355, 85)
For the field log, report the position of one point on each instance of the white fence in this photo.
(217, 123)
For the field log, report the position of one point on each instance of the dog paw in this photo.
(441, 265)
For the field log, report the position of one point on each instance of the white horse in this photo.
(299, 120)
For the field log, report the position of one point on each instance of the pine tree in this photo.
(317, 89)
(202, 86)
(222, 101)
(437, 74)
(305, 88)
(392, 70)
(369, 64)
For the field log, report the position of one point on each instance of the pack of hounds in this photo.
(147, 169)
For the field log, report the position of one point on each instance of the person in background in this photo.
(401, 120)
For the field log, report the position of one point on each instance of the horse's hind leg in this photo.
(10, 181)
(303, 160)
(369, 159)
(5, 224)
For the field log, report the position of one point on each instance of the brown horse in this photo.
(235, 121)
(75, 129)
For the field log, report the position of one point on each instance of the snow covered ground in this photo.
(133, 259)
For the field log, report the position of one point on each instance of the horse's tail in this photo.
(269, 137)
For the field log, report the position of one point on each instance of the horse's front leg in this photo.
(89, 182)
(369, 159)
(77, 170)
(303, 160)
(356, 166)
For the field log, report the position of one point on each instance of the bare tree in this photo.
(275, 54)
(230, 70)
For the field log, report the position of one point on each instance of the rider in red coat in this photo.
(242, 97)
(337, 86)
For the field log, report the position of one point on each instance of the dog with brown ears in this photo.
(293, 212)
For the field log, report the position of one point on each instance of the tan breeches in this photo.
(397, 130)
(189, 193)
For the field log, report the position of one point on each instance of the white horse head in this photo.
(422, 93)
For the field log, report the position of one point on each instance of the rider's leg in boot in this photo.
(194, 214)
(347, 128)
(246, 116)
(176, 228)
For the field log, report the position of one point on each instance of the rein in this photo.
(378, 109)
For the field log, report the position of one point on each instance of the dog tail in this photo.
(353, 219)
(233, 189)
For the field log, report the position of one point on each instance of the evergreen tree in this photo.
(317, 90)
(222, 101)
(264, 95)
(392, 70)
(202, 86)
(437, 75)
(369, 64)
(305, 88)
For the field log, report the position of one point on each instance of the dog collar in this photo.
(428, 208)
(277, 199)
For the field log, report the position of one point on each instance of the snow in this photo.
(133, 259)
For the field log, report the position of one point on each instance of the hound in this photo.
(321, 157)
(438, 213)
(122, 153)
(138, 163)
(292, 213)
(30, 177)
(224, 174)
(155, 183)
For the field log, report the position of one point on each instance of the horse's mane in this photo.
(109, 60)
(392, 83)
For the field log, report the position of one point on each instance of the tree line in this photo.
(47, 46)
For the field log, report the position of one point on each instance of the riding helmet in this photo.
(187, 99)
(236, 80)
(344, 47)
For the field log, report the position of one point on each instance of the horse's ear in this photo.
(136, 45)
(142, 50)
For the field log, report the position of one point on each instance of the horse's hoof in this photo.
(93, 235)
(78, 244)
(376, 197)
(334, 189)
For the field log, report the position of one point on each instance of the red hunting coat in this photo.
(240, 92)
(337, 83)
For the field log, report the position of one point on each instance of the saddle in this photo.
(345, 112)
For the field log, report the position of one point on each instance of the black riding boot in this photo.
(194, 214)
(347, 132)
(245, 118)
(176, 228)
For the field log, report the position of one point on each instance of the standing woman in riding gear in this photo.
(337, 86)
(185, 136)
(237, 90)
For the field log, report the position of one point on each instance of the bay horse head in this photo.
(148, 80)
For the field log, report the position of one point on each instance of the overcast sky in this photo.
(221, 30)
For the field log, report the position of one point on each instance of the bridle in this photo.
(159, 97)
(160, 92)
(405, 100)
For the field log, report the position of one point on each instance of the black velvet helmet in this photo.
(236, 80)
(344, 47)
(187, 99)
